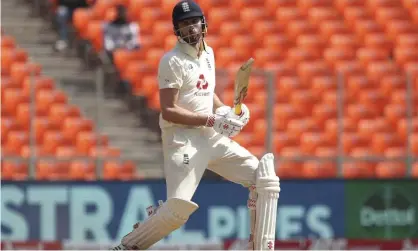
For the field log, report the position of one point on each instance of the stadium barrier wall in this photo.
(103, 212)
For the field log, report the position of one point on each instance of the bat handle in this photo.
(237, 109)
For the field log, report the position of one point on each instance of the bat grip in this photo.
(237, 109)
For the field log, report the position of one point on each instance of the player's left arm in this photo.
(222, 109)
(217, 102)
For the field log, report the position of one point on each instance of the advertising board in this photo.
(106, 211)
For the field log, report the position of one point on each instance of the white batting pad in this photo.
(268, 189)
(170, 216)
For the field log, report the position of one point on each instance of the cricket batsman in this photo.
(196, 134)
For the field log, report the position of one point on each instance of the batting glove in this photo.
(223, 125)
(227, 111)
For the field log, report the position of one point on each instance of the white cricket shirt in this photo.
(194, 77)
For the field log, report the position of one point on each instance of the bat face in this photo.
(241, 94)
(241, 84)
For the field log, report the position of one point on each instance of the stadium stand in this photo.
(371, 43)
(60, 129)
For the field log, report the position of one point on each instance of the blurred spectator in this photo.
(64, 15)
(120, 33)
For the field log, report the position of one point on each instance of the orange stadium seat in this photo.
(366, 127)
(95, 34)
(86, 140)
(58, 112)
(282, 141)
(390, 170)
(297, 55)
(322, 84)
(11, 56)
(414, 143)
(207, 5)
(82, 170)
(311, 141)
(153, 101)
(297, 127)
(403, 126)
(119, 170)
(16, 140)
(287, 14)
(378, 41)
(357, 168)
(356, 84)
(73, 125)
(381, 141)
(122, 57)
(321, 14)
(414, 170)
(390, 83)
(14, 170)
(27, 151)
(283, 113)
(351, 140)
(81, 17)
(19, 71)
(6, 84)
(7, 125)
(369, 55)
(287, 85)
(321, 113)
(291, 166)
(34, 84)
(52, 170)
(407, 40)
(330, 27)
(39, 126)
(317, 170)
(260, 126)
(394, 113)
(388, 14)
(52, 140)
(400, 97)
(300, 27)
(162, 29)
(303, 100)
(63, 153)
(12, 98)
(249, 14)
(354, 14)
(334, 55)
(45, 98)
(8, 42)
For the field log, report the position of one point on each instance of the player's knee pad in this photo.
(170, 216)
(262, 203)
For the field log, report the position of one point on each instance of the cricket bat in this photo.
(241, 85)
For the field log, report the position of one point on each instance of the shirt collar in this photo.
(188, 49)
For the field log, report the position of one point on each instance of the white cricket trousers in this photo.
(189, 151)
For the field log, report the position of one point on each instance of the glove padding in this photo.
(226, 126)
(227, 111)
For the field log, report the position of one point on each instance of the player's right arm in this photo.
(173, 113)
(170, 80)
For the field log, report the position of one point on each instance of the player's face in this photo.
(191, 30)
